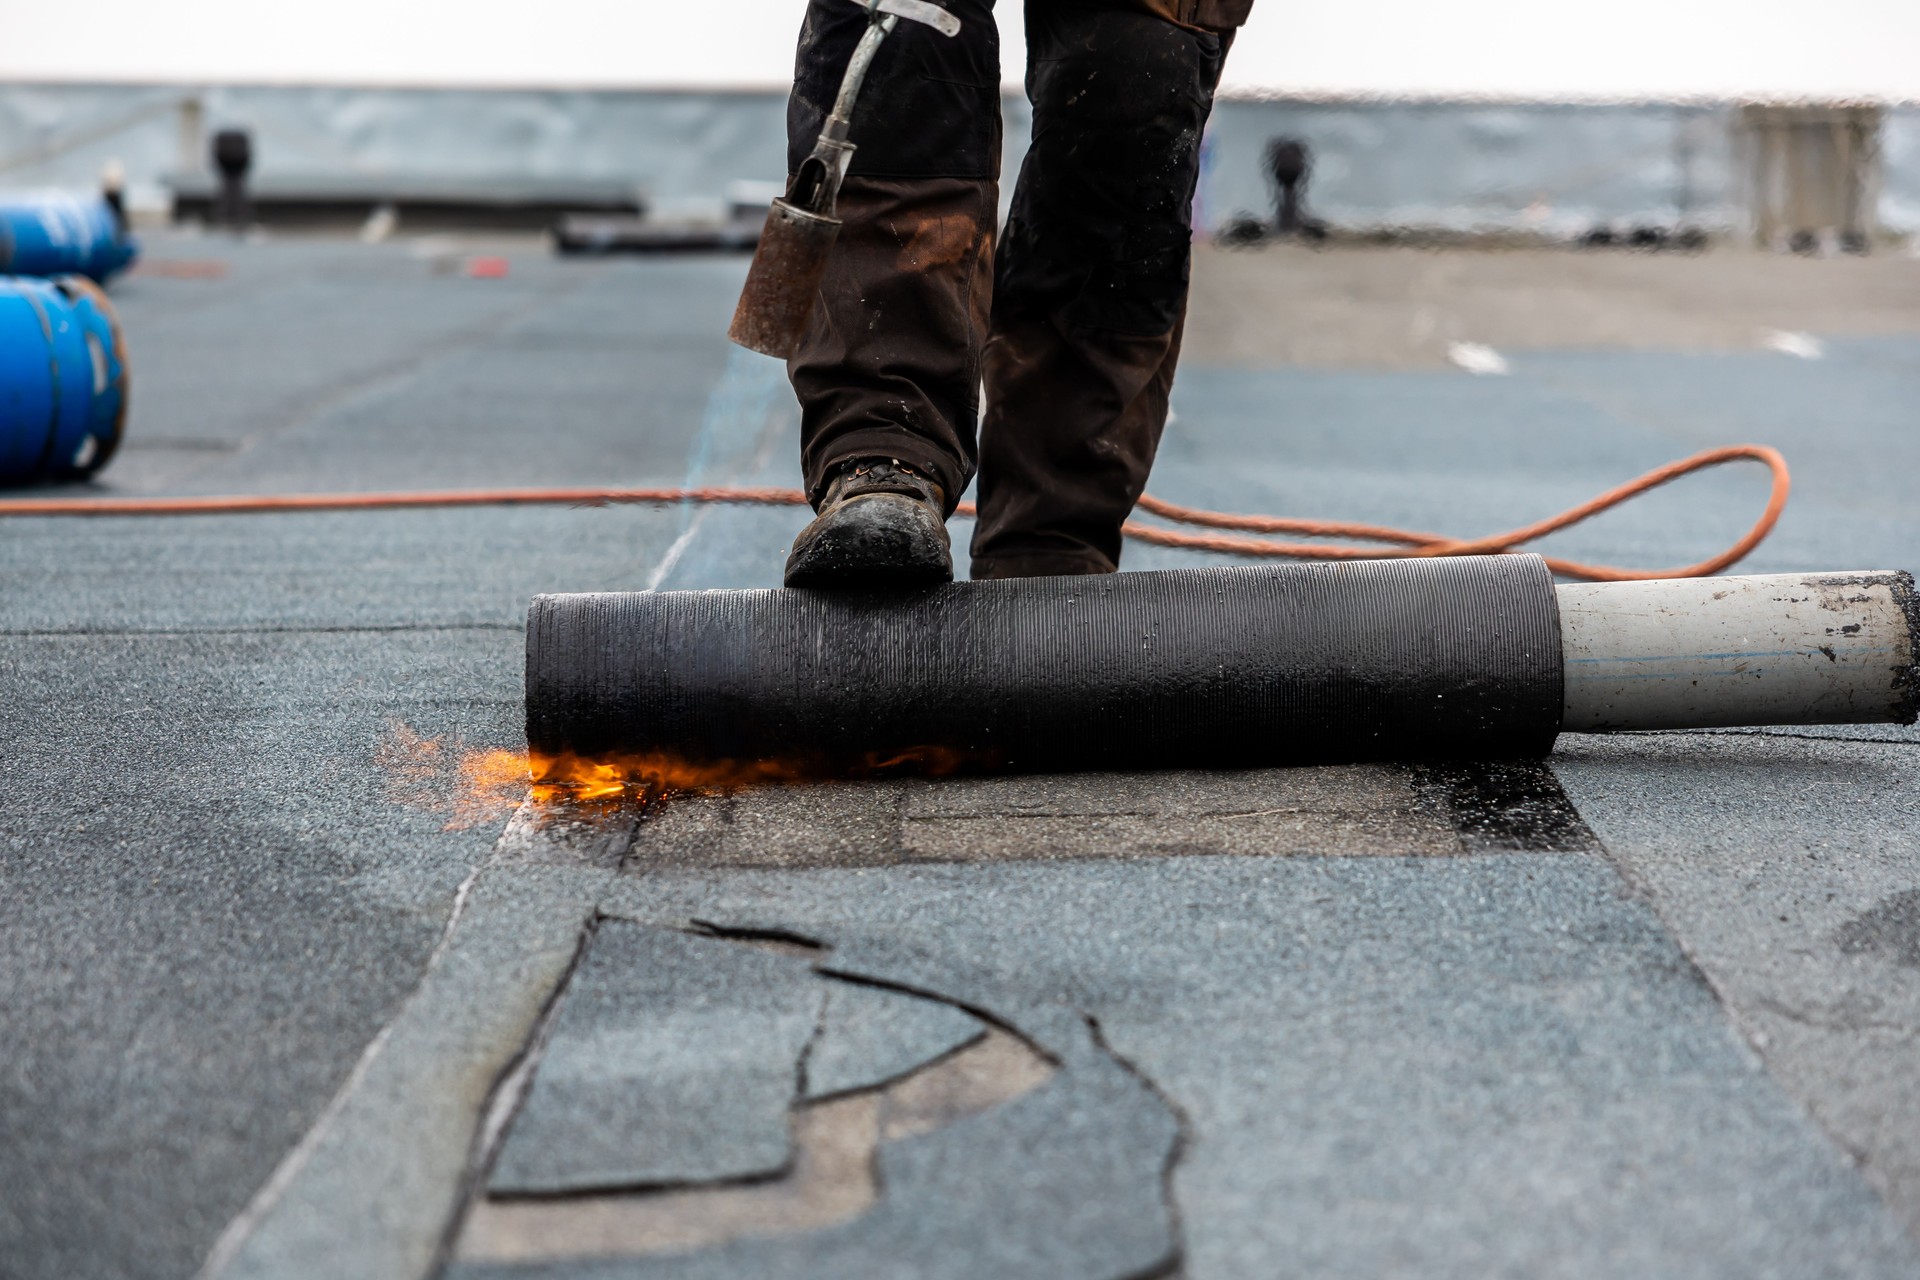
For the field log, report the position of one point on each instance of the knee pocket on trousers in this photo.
(931, 104)
(1120, 68)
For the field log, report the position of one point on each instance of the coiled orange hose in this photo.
(1404, 543)
(1389, 542)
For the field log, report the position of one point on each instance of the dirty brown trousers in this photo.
(1073, 323)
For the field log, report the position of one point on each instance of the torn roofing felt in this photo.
(675, 1058)
(1065, 1182)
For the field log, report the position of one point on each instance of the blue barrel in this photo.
(63, 379)
(60, 235)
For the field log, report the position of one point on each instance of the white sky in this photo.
(1526, 48)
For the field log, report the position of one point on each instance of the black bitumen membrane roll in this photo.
(1301, 663)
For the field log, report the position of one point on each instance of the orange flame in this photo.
(474, 786)
(443, 775)
(659, 773)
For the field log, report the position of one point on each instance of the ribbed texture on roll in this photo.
(1389, 659)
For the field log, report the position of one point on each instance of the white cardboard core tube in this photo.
(1821, 648)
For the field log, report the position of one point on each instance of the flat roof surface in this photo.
(294, 986)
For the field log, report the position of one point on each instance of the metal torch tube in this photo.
(1826, 648)
(857, 66)
(832, 153)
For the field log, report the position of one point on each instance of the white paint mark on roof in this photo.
(1477, 358)
(1790, 343)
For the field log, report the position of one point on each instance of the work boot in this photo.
(881, 524)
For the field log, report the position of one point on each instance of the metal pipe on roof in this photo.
(1693, 653)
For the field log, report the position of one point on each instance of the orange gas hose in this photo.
(1392, 543)
(1411, 544)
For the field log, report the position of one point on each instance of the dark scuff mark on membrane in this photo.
(563, 831)
(1906, 677)
(1505, 806)
(1891, 930)
(1906, 683)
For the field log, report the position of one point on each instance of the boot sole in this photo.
(875, 540)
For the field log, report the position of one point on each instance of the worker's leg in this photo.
(1091, 284)
(890, 366)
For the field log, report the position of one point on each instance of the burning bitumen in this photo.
(475, 786)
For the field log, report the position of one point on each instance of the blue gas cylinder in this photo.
(57, 235)
(63, 379)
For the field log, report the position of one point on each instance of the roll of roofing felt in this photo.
(63, 379)
(1194, 667)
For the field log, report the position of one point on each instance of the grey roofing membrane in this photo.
(673, 1060)
(1787, 866)
(271, 977)
(212, 904)
(1385, 1062)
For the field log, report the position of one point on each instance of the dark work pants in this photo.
(1074, 325)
